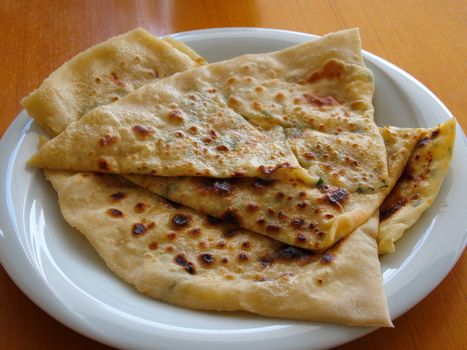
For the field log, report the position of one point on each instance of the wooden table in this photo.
(426, 38)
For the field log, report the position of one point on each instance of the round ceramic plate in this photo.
(56, 267)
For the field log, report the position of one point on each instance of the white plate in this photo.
(56, 267)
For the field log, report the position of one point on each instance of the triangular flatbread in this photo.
(195, 123)
(418, 186)
(103, 74)
(185, 258)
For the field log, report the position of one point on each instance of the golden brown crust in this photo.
(418, 186)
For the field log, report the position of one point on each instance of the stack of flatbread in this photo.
(260, 183)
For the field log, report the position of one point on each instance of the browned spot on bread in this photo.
(327, 258)
(231, 80)
(107, 140)
(301, 238)
(287, 254)
(223, 187)
(390, 208)
(297, 223)
(142, 131)
(179, 134)
(193, 130)
(188, 266)
(279, 96)
(206, 259)
(257, 106)
(320, 101)
(224, 260)
(139, 228)
(171, 235)
(102, 164)
(169, 249)
(153, 245)
(328, 216)
(116, 79)
(117, 196)
(232, 101)
(140, 207)
(281, 215)
(334, 195)
(176, 116)
(222, 148)
(260, 221)
(303, 204)
(231, 217)
(115, 213)
(195, 232)
(423, 141)
(272, 228)
(271, 211)
(252, 207)
(220, 244)
(280, 195)
(333, 69)
(180, 221)
(246, 245)
(243, 257)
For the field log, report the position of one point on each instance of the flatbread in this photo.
(291, 212)
(185, 258)
(103, 74)
(417, 188)
(195, 123)
(107, 139)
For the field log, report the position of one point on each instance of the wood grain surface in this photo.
(426, 38)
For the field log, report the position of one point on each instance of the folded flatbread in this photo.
(418, 186)
(185, 258)
(218, 120)
(177, 255)
(291, 212)
(105, 73)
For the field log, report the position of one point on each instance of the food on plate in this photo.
(191, 123)
(251, 184)
(418, 186)
(104, 73)
(185, 258)
(291, 212)
(123, 140)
